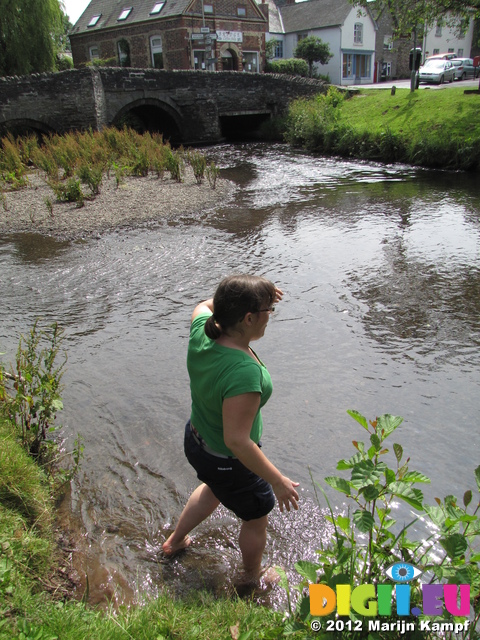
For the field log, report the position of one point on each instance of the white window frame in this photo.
(278, 53)
(94, 52)
(388, 43)
(358, 33)
(155, 48)
(208, 8)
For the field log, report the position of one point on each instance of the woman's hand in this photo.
(286, 493)
(278, 295)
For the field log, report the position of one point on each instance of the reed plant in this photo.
(198, 162)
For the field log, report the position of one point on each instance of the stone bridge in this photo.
(190, 107)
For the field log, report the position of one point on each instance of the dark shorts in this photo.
(238, 488)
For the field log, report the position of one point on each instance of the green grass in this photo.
(447, 111)
(438, 129)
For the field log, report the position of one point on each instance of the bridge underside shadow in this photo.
(25, 127)
(243, 126)
(152, 116)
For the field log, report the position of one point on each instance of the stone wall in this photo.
(195, 100)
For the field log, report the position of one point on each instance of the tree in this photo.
(408, 15)
(30, 33)
(312, 49)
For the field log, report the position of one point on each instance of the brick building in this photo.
(222, 35)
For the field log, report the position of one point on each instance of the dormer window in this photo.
(241, 11)
(157, 7)
(125, 13)
(94, 20)
(208, 8)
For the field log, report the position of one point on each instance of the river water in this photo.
(381, 313)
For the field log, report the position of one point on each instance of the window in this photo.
(347, 71)
(199, 60)
(125, 13)
(94, 52)
(436, 52)
(208, 8)
(157, 7)
(156, 49)
(279, 49)
(358, 33)
(362, 66)
(250, 61)
(460, 53)
(388, 43)
(94, 20)
(438, 31)
(123, 49)
(241, 11)
(451, 50)
(301, 36)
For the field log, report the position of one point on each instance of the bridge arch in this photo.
(151, 114)
(25, 126)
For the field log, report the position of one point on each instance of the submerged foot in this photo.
(170, 547)
(262, 581)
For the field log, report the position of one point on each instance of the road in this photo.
(405, 84)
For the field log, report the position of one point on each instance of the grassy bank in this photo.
(439, 129)
(33, 607)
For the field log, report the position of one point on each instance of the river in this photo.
(380, 270)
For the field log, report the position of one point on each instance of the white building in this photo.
(349, 31)
(444, 39)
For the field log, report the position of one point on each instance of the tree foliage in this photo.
(409, 14)
(313, 49)
(30, 35)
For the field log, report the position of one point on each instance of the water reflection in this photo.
(381, 313)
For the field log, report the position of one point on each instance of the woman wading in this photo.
(229, 385)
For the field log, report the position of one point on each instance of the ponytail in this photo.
(212, 329)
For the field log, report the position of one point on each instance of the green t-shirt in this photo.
(217, 372)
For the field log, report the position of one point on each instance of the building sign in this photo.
(229, 36)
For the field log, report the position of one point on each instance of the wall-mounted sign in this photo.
(229, 36)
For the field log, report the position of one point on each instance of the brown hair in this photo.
(235, 296)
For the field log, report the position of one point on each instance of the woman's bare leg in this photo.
(200, 505)
(252, 541)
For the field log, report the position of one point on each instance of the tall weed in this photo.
(367, 541)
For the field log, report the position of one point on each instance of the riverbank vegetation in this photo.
(437, 129)
(367, 542)
(75, 164)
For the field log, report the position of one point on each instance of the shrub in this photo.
(91, 175)
(69, 192)
(289, 66)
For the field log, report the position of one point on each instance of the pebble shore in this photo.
(34, 208)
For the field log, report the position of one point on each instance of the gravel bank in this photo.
(136, 200)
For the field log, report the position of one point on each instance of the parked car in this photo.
(442, 56)
(436, 71)
(464, 68)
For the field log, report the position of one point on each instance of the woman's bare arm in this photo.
(238, 415)
(202, 307)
